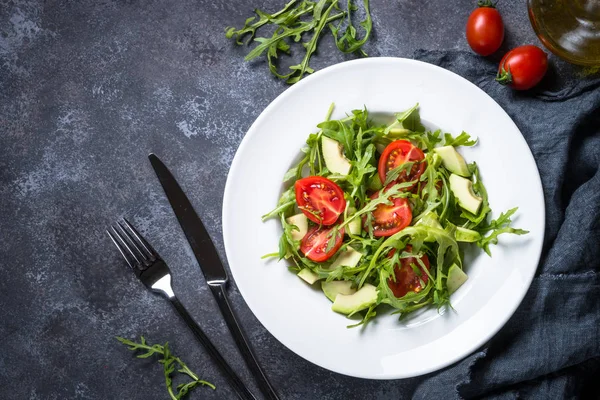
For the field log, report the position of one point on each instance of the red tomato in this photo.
(390, 219)
(523, 67)
(314, 243)
(485, 30)
(406, 279)
(397, 153)
(321, 200)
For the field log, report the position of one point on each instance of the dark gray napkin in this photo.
(550, 348)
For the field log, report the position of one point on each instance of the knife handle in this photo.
(240, 340)
(239, 387)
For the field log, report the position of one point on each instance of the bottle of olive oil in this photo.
(568, 28)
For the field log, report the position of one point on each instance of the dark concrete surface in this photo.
(87, 90)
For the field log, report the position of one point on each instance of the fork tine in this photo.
(127, 245)
(133, 242)
(141, 239)
(122, 249)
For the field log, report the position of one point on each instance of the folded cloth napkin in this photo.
(550, 348)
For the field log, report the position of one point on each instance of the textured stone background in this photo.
(87, 90)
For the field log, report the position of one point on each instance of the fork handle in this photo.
(264, 385)
(239, 387)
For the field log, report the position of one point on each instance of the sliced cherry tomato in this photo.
(314, 244)
(321, 200)
(485, 29)
(400, 152)
(390, 219)
(523, 67)
(406, 279)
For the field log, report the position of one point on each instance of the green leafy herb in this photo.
(497, 227)
(411, 120)
(347, 42)
(464, 139)
(169, 363)
(394, 173)
(295, 20)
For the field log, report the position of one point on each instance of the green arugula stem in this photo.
(168, 360)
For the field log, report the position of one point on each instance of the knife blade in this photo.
(211, 266)
(195, 232)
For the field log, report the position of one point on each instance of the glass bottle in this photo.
(568, 28)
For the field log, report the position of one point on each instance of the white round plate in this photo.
(300, 316)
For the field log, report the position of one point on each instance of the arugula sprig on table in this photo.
(169, 362)
(295, 20)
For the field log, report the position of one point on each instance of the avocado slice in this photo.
(301, 222)
(351, 303)
(463, 190)
(399, 132)
(453, 161)
(456, 278)
(347, 258)
(333, 288)
(335, 160)
(355, 225)
(466, 235)
(308, 276)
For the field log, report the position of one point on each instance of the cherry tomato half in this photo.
(314, 244)
(321, 200)
(389, 219)
(400, 152)
(523, 67)
(485, 30)
(406, 279)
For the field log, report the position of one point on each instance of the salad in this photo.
(376, 213)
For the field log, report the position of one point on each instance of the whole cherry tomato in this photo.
(523, 67)
(485, 29)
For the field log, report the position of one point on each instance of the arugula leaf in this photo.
(340, 273)
(431, 139)
(335, 232)
(339, 132)
(361, 168)
(250, 26)
(348, 43)
(291, 23)
(370, 314)
(464, 139)
(485, 242)
(284, 247)
(286, 202)
(411, 119)
(168, 360)
(299, 70)
(291, 173)
(314, 153)
(273, 44)
(498, 226)
(394, 173)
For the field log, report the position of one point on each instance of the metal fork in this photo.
(151, 269)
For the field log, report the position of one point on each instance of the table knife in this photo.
(211, 266)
